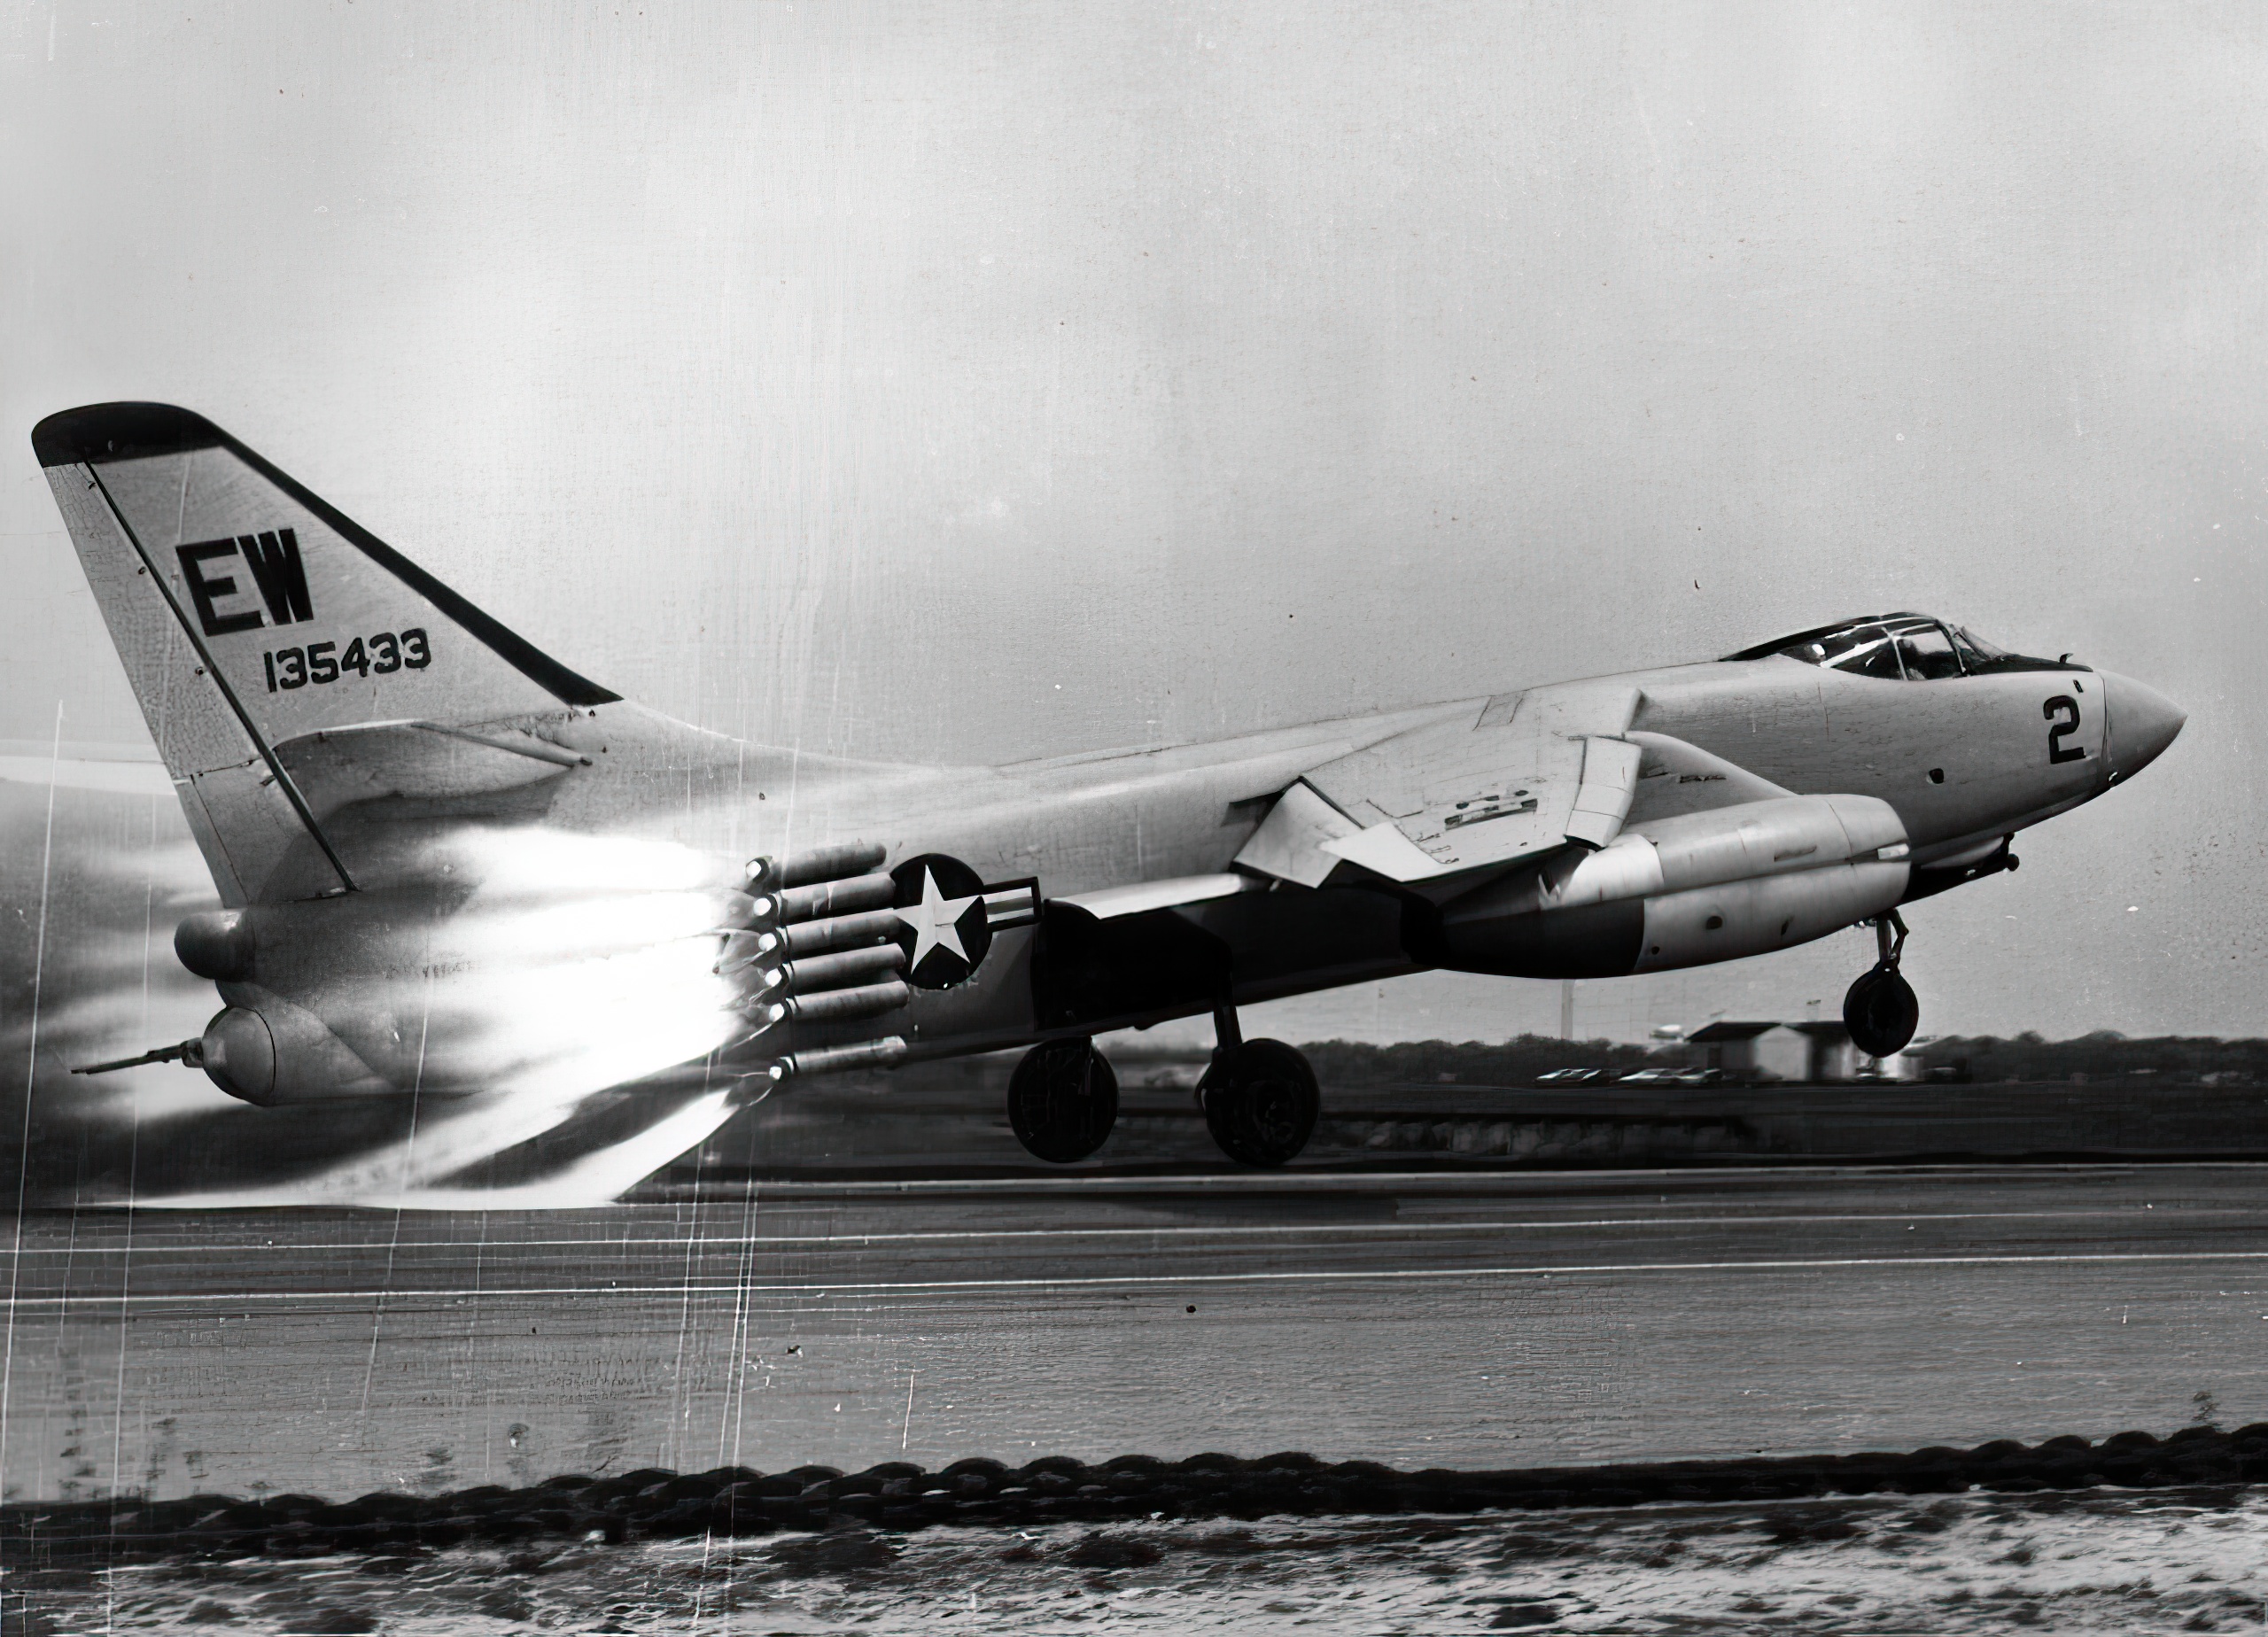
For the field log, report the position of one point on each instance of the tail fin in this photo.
(253, 616)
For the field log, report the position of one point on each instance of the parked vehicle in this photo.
(1575, 1077)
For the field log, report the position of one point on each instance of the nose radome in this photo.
(2143, 722)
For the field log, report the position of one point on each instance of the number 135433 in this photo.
(321, 663)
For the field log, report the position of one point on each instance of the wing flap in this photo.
(1290, 842)
(1603, 800)
(1537, 770)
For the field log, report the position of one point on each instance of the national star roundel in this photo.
(944, 927)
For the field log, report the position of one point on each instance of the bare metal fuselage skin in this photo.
(453, 865)
(1077, 824)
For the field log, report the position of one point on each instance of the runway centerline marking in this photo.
(1160, 1282)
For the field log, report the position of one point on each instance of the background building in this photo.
(1804, 1052)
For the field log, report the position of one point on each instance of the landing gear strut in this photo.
(1880, 1011)
(1062, 1100)
(1259, 1095)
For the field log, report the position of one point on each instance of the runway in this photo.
(1484, 1319)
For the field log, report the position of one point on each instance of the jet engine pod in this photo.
(276, 1053)
(1755, 916)
(1684, 891)
(215, 944)
(239, 1055)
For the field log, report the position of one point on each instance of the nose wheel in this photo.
(1881, 1011)
(1062, 1100)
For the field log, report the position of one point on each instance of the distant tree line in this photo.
(2103, 1055)
(1515, 1062)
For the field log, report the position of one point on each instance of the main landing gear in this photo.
(1880, 1011)
(1062, 1100)
(1259, 1098)
(1259, 1095)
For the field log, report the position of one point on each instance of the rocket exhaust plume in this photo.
(537, 1006)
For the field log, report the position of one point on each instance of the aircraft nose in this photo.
(2143, 722)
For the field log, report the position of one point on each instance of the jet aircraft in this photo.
(442, 852)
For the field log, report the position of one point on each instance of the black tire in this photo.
(1260, 1102)
(1062, 1100)
(1880, 1012)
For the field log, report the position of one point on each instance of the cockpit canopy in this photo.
(1910, 647)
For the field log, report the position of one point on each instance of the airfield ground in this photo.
(1491, 1318)
(950, 1119)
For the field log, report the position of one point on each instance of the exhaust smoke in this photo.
(538, 1007)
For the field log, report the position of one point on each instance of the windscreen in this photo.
(1912, 647)
(1982, 658)
(1863, 650)
(1927, 652)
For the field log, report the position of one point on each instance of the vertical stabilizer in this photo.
(252, 617)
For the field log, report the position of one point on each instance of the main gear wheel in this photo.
(1260, 1101)
(1062, 1100)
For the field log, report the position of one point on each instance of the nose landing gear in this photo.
(1881, 1011)
(1259, 1095)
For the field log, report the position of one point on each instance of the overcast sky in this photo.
(976, 382)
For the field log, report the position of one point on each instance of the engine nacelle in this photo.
(1685, 892)
(215, 944)
(274, 1053)
(1755, 916)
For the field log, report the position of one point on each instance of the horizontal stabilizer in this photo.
(123, 770)
(418, 762)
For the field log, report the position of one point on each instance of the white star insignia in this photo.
(936, 921)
